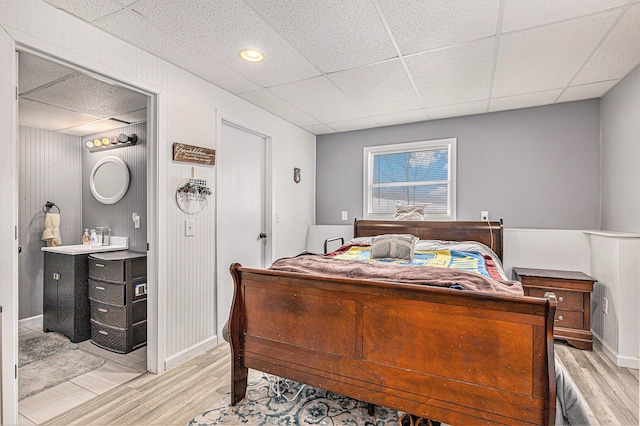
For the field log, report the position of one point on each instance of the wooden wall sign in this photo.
(193, 154)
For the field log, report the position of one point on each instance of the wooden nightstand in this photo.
(573, 291)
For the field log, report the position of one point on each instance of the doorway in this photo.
(69, 122)
(9, 289)
(243, 207)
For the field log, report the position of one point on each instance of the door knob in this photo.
(262, 235)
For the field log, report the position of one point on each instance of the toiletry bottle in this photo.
(93, 238)
(85, 237)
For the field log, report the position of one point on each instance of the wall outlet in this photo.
(605, 305)
(484, 216)
(344, 215)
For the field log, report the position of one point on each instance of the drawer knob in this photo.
(100, 265)
(560, 299)
(103, 310)
(559, 318)
(103, 332)
(100, 288)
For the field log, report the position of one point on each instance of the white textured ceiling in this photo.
(54, 97)
(339, 65)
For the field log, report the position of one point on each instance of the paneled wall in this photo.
(185, 285)
(615, 261)
(50, 170)
(118, 216)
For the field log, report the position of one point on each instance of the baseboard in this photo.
(30, 322)
(612, 354)
(190, 352)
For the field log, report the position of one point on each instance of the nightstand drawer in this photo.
(569, 319)
(566, 299)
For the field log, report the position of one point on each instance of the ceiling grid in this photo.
(339, 65)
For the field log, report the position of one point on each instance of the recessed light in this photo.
(251, 55)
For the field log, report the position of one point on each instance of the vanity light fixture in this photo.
(104, 144)
(251, 55)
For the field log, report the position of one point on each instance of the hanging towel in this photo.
(51, 232)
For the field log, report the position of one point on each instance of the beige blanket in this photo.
(389, 272)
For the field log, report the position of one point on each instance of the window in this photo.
(411, 173)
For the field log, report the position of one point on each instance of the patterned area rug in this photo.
(311, 406)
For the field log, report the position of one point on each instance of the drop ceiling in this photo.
(54, 97)
(340, 65)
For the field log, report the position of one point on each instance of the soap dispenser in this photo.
(85, 237)
(93, 238)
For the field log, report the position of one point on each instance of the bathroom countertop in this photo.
(117, 244)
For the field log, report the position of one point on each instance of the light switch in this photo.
(189, 228)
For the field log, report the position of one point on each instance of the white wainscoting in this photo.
(612, 258)
(614, 261)
(559, 249)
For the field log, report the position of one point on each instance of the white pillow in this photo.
(409, 212)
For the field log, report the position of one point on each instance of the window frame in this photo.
(368, 155)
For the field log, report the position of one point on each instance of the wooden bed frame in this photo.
(453, 356)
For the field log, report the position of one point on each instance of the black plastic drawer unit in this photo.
(118, 296)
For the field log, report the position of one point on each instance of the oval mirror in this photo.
(109, 180)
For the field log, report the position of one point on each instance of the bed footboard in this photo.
(453, 356)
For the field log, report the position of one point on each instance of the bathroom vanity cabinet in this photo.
(66, 307)
(118, 298)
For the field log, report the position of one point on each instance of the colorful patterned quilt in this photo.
(455, 259)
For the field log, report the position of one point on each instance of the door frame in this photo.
(222, 117)
(156, 197)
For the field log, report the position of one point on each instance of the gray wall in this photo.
(534, 168)
(118, 216)
(49, 171)
(621, 155)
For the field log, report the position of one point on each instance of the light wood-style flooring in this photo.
(117, 369)
(187, 390)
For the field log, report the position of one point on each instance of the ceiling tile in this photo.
(133, 116)
(320, 99)
(222, 29)
(419, 25)
(92, 128)
(349, 125)
(319, 129)
(89, 10)
(458, 110)
(619, 53)
(587, 91)
(35, 72)
(134, 29)
(402, 117)
(47, 117)
(456, 74)
(270, 102)
(332, 34)
(524, 101)
(547, 57)
(520, 14)
(378, 89)
(71, 94)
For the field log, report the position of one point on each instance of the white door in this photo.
(242, 226)
(8, 222)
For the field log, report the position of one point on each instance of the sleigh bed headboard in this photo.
(487, 233)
